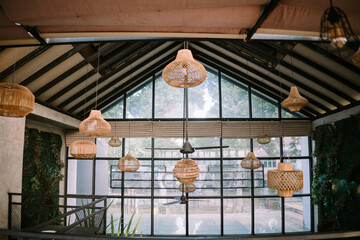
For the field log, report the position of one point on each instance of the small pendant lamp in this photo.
(83, 149)
(95, 125)
(250, 161)
(128, 163)
(114, 141)
(263, 139)
(187, 187)
(186, 170)
(184, 71)
(294, 102)
(285, 180)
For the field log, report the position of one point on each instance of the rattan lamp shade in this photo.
(184, 71)
(95, 125)
(285, 180)
(186, 170)
(187, 187)
(356, 58)
(83, 149)
(263, 139)
(129, 163)
(114, 142)
(294, 102)
(250, 161)
(15, 100)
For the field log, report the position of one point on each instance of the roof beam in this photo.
(265, 11)
(34, 32)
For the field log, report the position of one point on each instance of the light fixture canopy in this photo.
(250, 161)
(294, 102)
(114, 142)
(128, 163)
(95, 125)
(15, 100)
(184, 71)
(187, 187)
(83, 149)
(285, 179)
(186, 170)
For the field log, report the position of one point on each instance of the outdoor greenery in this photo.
(41, 176)
(336, 175)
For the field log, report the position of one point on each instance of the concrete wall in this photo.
(11, 162)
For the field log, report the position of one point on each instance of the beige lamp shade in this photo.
(128, 163)
(356, 58)
(83, 149)
(95, 125)
(263, 139)
(186, 170)
(15, 100)
(285, 180)
(114, 142)
(184, 71)
(250, 161)
(294, 102)
(187, 187)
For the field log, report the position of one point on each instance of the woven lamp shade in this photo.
(114, 142)
(15, 100)
(184, 71)
(294, 102)
(187, 187)
(356, 59)
(285, 180)
(83, 149)
(250, 161)
(95, 125)
(186, 170)
(129, 163)
(263, 139)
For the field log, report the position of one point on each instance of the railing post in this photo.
(9, 211)
(105, 215)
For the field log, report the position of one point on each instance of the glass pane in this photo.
(108, 178)
(237, 181)
(296, 146)
(237, 216)
(208, 182)
(165, 183)
(80, 177)
(168, 105)
(139, 183)
(104, 150)
(204, 216)
(169, 219)
(205, 142)
(137, 147)
(297, 214)
(271, 149)
(139, 103)
(262, 106)
(261, 185)
(204, 99)
(115, 111)
(235, 98)
(115, 211)
(303, 165)
(237, 148)
(267, 215)
(141, 208)
(168, 143)
(285, 113)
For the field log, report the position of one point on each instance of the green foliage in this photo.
(41, 176)
(124, 230)
(336, 175)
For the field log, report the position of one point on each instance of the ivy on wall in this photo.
(41, 176)
(336, 184)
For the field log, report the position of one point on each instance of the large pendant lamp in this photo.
(294, 102)
(285, 179)
(186, 170)
(187, 187)
(184, 71)
(83, 149)
(250, 161)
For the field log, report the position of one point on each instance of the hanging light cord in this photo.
(13, 76)
(97, 76)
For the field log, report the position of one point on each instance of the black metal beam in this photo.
(23, 61)
(34, 33)
(265, 11)
(313, 64)
(295, 69)
(72, 70)
(53, 64)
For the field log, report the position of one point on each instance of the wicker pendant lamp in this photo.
(294, 102)
(250, 161)
(356, 58)
(263, 139)
(184, 71)
(114, 141)
(83, 149)
(95, 125)
(285, 180)
(128, 163)
(186, 170)
(187, 187)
